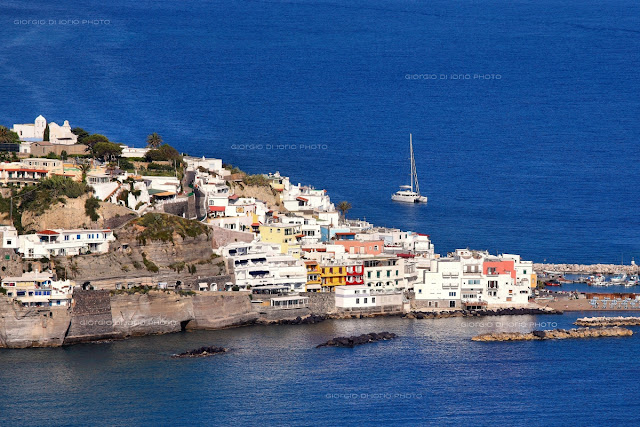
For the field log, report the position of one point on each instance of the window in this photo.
(378, 274)
(357, 300)
(524, 271)
(365, 300)
(66, 237)
(368, 275)
(78, 237)
(509, 298)
(388, 273)
(420, 291)
(452, 294)
(372, 300)
(452, 304)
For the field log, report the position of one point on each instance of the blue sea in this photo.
(524, 113)
(433, 374)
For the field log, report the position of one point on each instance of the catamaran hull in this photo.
(409, 199)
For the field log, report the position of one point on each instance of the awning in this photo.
(313, 286)
(302, 199)
(217, 208)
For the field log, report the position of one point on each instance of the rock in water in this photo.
(355, 340)
(200, 352)
(557, 334)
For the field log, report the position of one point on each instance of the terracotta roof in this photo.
(302, 199)
(233, 196)
(48, 232)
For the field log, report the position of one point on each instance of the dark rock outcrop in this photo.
(358, 340)
(309, 320)
(200, 352)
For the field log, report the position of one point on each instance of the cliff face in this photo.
(139, 255)
(71, 214)
(22, 327)
(97, 315)
(266, 194)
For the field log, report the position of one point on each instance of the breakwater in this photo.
(608, 321)
(587, 268)
(556, 334)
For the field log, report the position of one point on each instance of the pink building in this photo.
(357, 247)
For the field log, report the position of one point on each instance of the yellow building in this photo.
(333, 275)
(287, 236)
(314, 276)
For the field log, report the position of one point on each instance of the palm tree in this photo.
(154, 141)
(7, 136)
(344, 207)
(85, 168)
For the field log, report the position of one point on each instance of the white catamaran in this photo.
(406, 193)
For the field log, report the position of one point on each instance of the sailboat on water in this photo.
(406, 194)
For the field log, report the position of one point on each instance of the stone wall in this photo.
(91, 317)
(223, 236)
(321, 302)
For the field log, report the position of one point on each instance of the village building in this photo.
(50, 243)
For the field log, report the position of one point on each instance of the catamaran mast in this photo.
(414, 173)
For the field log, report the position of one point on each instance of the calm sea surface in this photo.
(431, 375)
(542, 161)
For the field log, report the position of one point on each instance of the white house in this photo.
(384, 272)
(259, 264)
(354, 297)
(38, 289)
(9, 236)
(133, 151)
(209, 164)
(48, 243)
(304, 198)
(473, 279)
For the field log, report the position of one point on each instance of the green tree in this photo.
(64, 155)
(344, 207)
(8, 136)
(91, 208)
(107, 150)
(165, 152)
(154, 141)
(81, 133)
(92, 140)
(46, 133)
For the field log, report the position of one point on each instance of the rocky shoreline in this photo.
(200, 352)
(556, 334)
(480, 313)
(608, 321)
(353, 341)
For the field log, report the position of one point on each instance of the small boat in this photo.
(633, 281)
(619, 279)
(406, 194)
(552, 282)
(598, 280)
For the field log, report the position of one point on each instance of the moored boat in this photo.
(407, 194)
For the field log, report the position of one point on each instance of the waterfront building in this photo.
(384, 272)
(471, 279)
(340, 273)
(328, 232)
(364, 297)
(58, 242)
(258, 264)
(205, 164)
(314, 276)
(38, 289)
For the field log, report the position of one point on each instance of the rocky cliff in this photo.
(22, 327)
